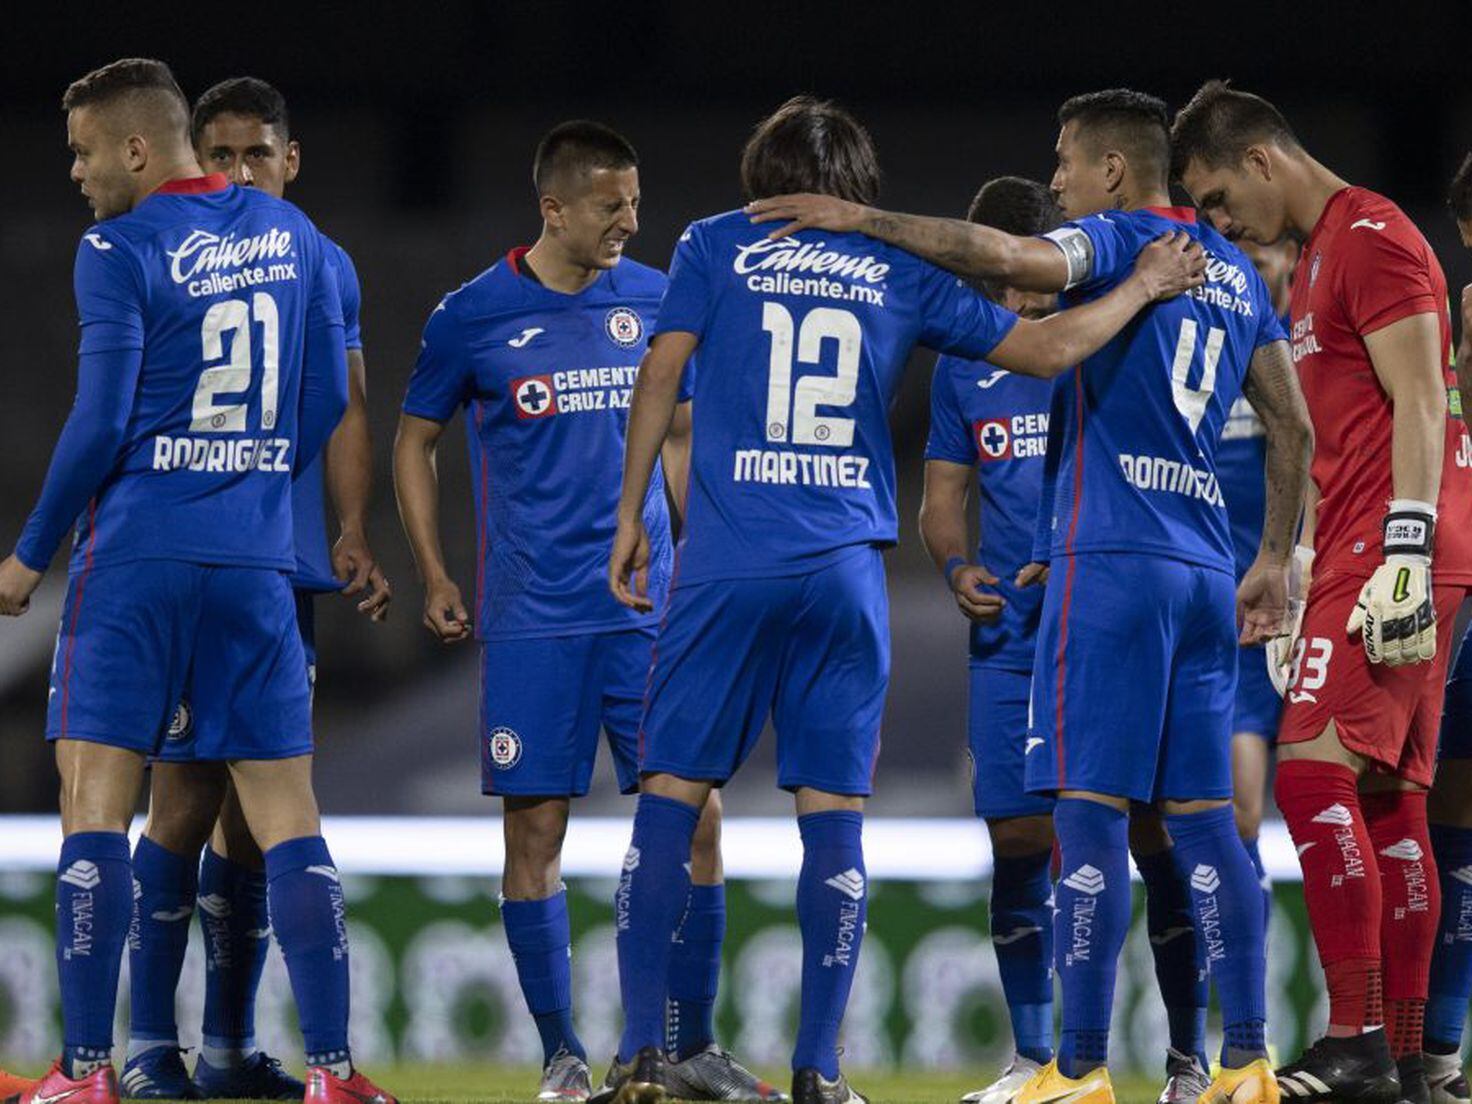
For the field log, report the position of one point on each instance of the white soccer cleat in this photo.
(1004, 1088)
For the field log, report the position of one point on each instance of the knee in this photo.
(232, 838)
(1247, 808)
(1015, 837)
(534, 835)
(1147, 833)
(705, 847)
(182, 807)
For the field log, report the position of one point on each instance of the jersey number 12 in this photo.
(792, 412)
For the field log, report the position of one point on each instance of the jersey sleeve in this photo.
(1269, 325)
(1042, 543)
(1111, 249)
(109, 295)
(956, 318)
(687, 300)
(687, 381)
(441, 381)
(950, 434)
(1383, 279)
(324, 394)
(352, 298)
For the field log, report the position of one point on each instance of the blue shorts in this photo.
(131, 634)
(998, 737)
(1257, 705)
(208, 707)
(811, 651)
(1137, 657)
(543, 701)
(1456, 717)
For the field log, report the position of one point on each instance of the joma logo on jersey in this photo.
(1016, 438)
(203, 252)
(535, 397)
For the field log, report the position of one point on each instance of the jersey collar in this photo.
(513, 258)
(1175, 214)
(194, 185)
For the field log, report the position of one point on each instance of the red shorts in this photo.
(1390, 715)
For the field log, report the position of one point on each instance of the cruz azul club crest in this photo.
(623, 327)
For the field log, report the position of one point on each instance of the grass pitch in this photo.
(488, 1084)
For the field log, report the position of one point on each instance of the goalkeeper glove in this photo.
(1395, 611)
(1280, 648)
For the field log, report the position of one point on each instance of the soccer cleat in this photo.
(1414, 1088)
(640, 1080)
(712, 1074)
(565, 1078)
(1445, 1079)
(325, 1087)
(98, 1087)
(158, 1074)
(259, 1077)
(811, 1087)
(1049, 1086)
(1250, 1084)
(12, 1084)
(1353, 1070)
(1185, 1080)
(1004, 1088)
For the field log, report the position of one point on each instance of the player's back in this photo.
(801, 345)
(1139, 421)
(214, 284)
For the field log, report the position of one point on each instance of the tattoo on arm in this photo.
(1272, 388)
(965, 248)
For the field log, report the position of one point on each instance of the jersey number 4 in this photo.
(1191, 401)
(211, 413)
(792, 412)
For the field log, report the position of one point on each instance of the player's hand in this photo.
(807, 212)
(17, 583)
(628, 566)
(981, 606)
(1173, 263)
(1033, 574)
(444, 612)
(1281, 647)
(353, 560)
(1262, 602)
(1395, 613)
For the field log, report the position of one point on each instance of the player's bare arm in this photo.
(675, 456)
(966, 248)
(1271, 386)
(944, 531)
(417, 487)
(1407, 356)
(651, 413)
(1464, 355)
(350, 483)
(1165, 268)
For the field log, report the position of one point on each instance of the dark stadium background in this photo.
(417, 124)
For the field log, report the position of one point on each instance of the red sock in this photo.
(1412, 907)
(1341, 884)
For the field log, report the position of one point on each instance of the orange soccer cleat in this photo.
(325, 1087)
(98, 1087)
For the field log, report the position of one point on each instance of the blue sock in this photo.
(832, 900)
(1451, 962)
(652, 892)
(1228, 900)
(1090, 922)
(94, 903)
(310, 921)
(541, 944)
(1022, 935)
(1178, 967)
(695, 972)
(1254, 854)
(163, 902)
(237, 934)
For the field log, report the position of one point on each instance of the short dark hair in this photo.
(1133, 122)
(810, 145)
(249, 96)
(1016, 205)
(578, 147)
(1459, 197)
(140, 81)
(1220, 122)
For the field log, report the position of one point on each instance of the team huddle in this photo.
(1220, 461)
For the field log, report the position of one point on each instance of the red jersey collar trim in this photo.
(1175, 214)
(513, 258)
(194, 185)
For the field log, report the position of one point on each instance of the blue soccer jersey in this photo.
(1132, 464)
(309, 508)
(547, 379)
(218, 304)
(997, 421)
(801, 345)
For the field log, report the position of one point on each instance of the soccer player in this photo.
(239, 128)
(1450, 805)
(212, 367)
(1240, 461)
(542, 349)
(779, 608)
(1134, 526)
(1357, 743)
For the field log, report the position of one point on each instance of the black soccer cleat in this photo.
(1414, 1087)
(642, 1080)
(811, 1087)
(1354, 1070)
